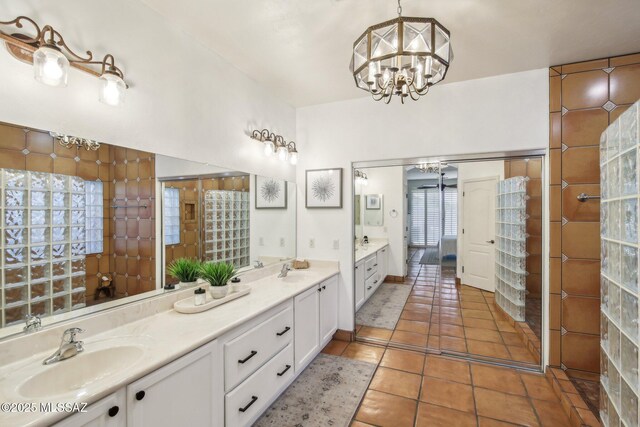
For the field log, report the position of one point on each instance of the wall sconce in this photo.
(52, 57)
(361, 177)
(275, 144)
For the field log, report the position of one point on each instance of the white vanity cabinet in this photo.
(110, 411)
(383, 263)
(316, 320)
(370, 273)
(185, 392)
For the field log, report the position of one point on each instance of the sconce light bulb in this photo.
(50, 67)
(112, 89)
(293, 157)
(283, 153)
(269, 148)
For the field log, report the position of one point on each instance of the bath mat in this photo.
(327, 393)
(431, 256)
(384, 307)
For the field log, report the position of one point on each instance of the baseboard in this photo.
(458, 282)
(394, 279)
(342, 335)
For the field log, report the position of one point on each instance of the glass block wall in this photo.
(226, 227)
(42, 245)
(619, 339)
(511, 246)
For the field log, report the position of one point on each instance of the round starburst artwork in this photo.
(323, 188)
(270, 191)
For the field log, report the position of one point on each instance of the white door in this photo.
(306, 341)
(328, 309)
(479, 233)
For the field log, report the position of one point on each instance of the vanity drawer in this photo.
(244, 404)
(370, 285)
(370, 266)
(246, 353)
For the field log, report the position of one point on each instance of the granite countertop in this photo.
(164, 337)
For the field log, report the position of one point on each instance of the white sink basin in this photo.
(75, 373)
(295, 277)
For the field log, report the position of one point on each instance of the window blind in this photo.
(450, 211)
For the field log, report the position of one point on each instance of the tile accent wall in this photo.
(584, 98)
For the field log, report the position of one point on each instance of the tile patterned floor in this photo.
(442, 317)
(414, 389)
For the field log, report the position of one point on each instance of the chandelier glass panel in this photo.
(404, 57)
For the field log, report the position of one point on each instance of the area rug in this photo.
(431, 256)
(327, 393)
(384, 307)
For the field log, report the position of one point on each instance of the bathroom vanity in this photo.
(221, 367)
(371, 268)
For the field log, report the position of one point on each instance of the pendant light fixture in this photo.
(403, 57)
(52, 59)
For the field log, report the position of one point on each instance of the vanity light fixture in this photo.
(403, 56)
(276, 144)
(361, 177)
(52, 58)
(68, 141)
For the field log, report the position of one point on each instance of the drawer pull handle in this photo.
(369, 287)
(375, 281)
(140, 395)
(287, 329)
(375, 265)
(285, 370)
(253, 353)
(253, 400)
(369, 269)
(113, 411)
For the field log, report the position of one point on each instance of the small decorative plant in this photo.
(217, 274)
(186, 270)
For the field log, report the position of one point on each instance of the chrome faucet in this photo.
(285, 269)
(258, 264)
(68, 348)
(32, 323)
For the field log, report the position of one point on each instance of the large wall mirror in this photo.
(455, 266)
(82, 223)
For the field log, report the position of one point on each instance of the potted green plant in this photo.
(217, 274)
(186, 270)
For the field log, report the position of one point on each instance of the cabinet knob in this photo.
(253, 353)
(324, 287)
(113, 411)
(140, 395)
(253, 400)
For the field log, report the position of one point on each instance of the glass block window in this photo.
(171, 216)
(511, 246)
(94, 226)
(226, 227)
(42, 247)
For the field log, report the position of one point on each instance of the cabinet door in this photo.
(383, 263)
(359, 284)
(186, 392)
(306, 326)
(108, 412)
(328, 309)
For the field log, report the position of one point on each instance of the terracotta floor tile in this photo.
(450, 311)
(452, 330)
(504, 407)
(409, 338)
(474, 305)
(396, 382)
(413, 326)
(359, 424)
(538, 387)
(376, 333)
(499, 379)
(551, 413)
(414, 306)
(420, 300)
(448, 394)
(479, 323)
(512, 339)
(415, 315)
(480, 334)
(504, 326)
(434, 342)
(489, 349)
(403, 360)
(382, 409)
(364, 352)
(521, 354)
(453, 344)
(472, 298)
(451, 320)
(476, 314)
(438, 416)
(488, 422)
(335, 347)
(447, 369)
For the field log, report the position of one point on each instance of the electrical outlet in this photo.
(282, 242)
(336, 244)
(261, 241)
(312, 243)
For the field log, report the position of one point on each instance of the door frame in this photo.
(461, 237)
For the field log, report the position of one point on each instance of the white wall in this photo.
(389, 182)
(501, 113)
(184, 101)
(467, 171)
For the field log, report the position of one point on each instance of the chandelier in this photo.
(404, 57)
(68, 141)
(429, 167)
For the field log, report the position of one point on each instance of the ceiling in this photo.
(300, 49)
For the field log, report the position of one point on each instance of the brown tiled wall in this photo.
(584, 98)
(133, 236)
(531, 168)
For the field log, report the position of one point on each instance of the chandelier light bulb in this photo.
(50, 67)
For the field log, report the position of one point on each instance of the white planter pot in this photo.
(188, 284)
(218, 292)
